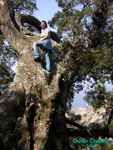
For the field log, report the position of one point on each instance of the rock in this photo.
(89, 116)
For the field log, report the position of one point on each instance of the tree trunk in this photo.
(32, 109)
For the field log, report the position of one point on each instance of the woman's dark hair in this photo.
(44, 22)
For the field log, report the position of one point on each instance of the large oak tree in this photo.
(32, 109)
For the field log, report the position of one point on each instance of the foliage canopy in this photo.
(89, 24)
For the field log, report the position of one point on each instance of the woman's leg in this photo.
(36, 50)
(46, 54)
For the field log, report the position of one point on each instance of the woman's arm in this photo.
(47, 34)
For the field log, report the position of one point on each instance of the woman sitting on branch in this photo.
(44, 43)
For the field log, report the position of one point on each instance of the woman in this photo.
(44, 42)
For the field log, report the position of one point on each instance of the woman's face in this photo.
(43, 25)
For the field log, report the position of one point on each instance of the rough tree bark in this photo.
(32, 109)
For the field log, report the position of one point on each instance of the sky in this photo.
(47, 9)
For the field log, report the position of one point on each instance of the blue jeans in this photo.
(46, 54)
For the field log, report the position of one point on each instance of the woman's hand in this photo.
(38, 41)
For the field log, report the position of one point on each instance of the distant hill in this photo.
(82, 110)
(89, 116)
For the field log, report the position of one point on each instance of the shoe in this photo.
(37, 59)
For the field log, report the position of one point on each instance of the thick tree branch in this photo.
(7, 27)
(76, 132)
(110, 117)
(75, 124)
(25, 18)
(84, 131)
(104, 132)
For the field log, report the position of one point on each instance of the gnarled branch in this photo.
(75, 124)
(25, 18)
(85, 131)
(104, 132)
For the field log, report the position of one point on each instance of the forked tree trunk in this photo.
(32, 109)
